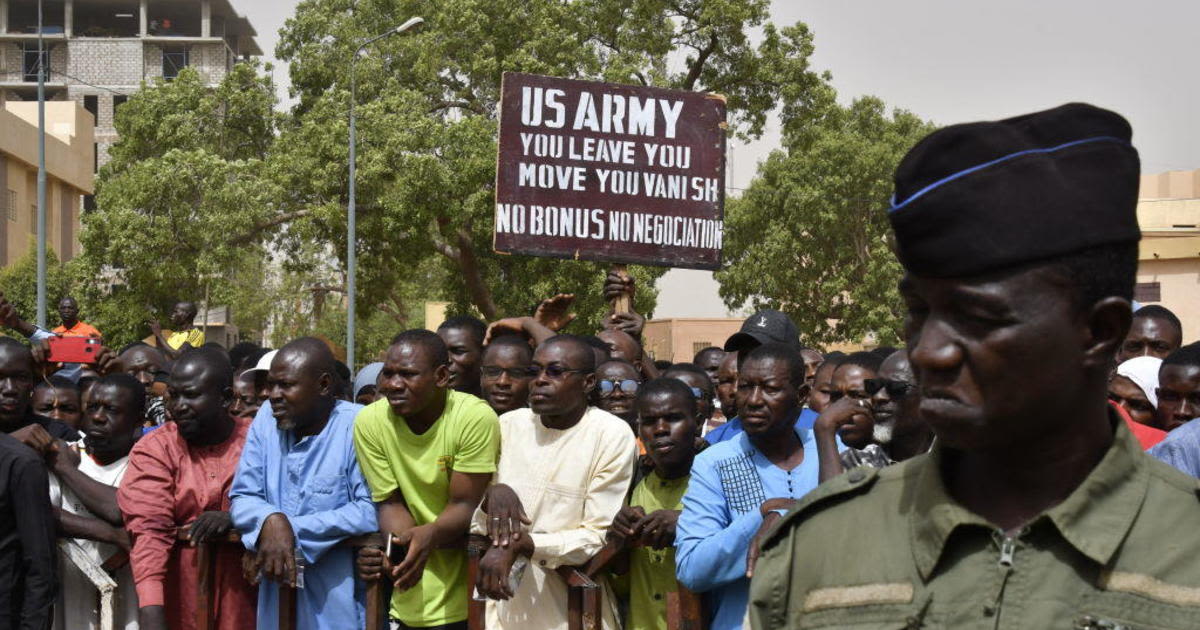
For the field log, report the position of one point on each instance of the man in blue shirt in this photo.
(299, 492)
(735, 483)
(766, 326)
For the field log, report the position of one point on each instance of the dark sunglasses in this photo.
(895, 389)
(553, 371)
(492, 371)
(628, 386)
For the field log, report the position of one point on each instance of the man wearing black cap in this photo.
(763, 327)
(1036, 508)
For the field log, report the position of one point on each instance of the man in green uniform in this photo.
(1036, 508)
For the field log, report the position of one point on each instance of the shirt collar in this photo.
(1094, 519)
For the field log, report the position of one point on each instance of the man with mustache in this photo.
(298, 492)
(735, 483)
(112, 424)
(562, 476)
(464, 338)
(428, 453)
(898, 431)
(1037, 507)
(180, 474)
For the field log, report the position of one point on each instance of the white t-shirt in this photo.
(78, 606)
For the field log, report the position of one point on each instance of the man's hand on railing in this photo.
(209, 526)
(277, 550)
(372, 564)
(506, 515)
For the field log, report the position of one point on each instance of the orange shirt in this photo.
(80, 329)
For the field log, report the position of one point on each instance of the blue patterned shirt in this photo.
(730, 481)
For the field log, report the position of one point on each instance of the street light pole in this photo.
(41, 178)
(351, 210)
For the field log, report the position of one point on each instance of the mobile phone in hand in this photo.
(73, 349)
(395, 553)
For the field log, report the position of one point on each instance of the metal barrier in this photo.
(206, 564)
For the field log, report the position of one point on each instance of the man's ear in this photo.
(442, 374)
(326, 384)
(589, 382)
(802, 392)
(1107, 326)
(227, 396)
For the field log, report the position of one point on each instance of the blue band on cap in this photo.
(1010, 156)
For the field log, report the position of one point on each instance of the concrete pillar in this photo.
(143, 23)
(3, 16)
(205, 18)
(69, 18)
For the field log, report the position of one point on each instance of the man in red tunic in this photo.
(179, 474)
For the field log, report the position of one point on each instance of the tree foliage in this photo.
(185, 204)
(427, 120)
(810, 235)
(18, 281)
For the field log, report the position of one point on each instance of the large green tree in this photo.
(186, 205)
(810, 235)
(427, 118)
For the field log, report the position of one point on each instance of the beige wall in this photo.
(677, 340)
(69, 154)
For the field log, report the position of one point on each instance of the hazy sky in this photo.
(953, 61)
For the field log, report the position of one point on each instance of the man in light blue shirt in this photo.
(299, 492)
(734, 483)
(1181, 448)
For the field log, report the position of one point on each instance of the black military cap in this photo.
(766, 326)
(985, 196)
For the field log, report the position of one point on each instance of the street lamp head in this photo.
(410, 23)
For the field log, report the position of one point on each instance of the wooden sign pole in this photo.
(623, 303)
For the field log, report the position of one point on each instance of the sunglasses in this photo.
(553, 371)
(895, 389)
(628, 386)
(516, 373)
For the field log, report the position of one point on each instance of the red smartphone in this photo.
(73, 349)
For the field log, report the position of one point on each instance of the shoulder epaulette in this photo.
(855, 481)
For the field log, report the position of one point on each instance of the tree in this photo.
(427, 119)
(810, 235)
(18, 281)
(185, 206)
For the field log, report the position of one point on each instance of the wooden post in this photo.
(287, 607)
(622, 304)
(205, 561)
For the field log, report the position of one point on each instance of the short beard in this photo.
(883, 431)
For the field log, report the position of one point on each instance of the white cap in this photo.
(263, 365)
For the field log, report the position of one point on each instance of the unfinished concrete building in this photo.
(100, 51)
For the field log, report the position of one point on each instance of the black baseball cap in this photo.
(764, 327)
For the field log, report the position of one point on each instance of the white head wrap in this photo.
(1143, 371)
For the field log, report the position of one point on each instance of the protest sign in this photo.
(609, 172)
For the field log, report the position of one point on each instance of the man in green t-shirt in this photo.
(668, 417)
(428, 454)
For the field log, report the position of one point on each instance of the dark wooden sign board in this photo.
(609, 172)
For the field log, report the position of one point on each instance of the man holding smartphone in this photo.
(428, 453)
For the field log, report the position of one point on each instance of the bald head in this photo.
(211, 366)
(310, 353)
(621, 345)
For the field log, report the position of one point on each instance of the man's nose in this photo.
(935, 348)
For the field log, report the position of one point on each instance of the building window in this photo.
(173, 61)
(89, 203)
(91, 102)
(697, 346)
(1147, 292)
(12, 205)
(29, 62)
(33, 219)
(118, 101)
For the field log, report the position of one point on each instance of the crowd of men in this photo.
(994, 471)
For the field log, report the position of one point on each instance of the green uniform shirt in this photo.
(891, 549)
(652, 571)
(466, 438)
